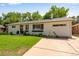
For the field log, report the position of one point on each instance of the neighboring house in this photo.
(2, 28)
(57, 26)
(75, 29)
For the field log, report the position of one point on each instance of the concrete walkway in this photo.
(55, 47)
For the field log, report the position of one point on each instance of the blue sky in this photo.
(41, 7)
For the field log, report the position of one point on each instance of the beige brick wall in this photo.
(75, 29)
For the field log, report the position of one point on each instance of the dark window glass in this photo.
(38, 26)
(13, 26)
(59, 25)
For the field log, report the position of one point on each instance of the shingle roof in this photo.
(45, 20)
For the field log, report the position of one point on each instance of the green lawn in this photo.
(16, 45)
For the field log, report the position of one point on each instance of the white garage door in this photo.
(61, 29)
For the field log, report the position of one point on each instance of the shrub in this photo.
(28, 34)
(11, 33)
(40, 35)
(4, 33)
(17, 32)
(24, 32)
(21, 32)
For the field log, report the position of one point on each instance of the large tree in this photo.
(11, 17)
(57, 12)
(74, 21)
(47, 15)
(36, 16)
(26, 16)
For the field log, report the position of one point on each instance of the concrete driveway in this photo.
(55, 47)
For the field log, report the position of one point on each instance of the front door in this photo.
(21, 29)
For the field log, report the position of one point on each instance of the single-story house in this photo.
(57, 26)
(2, 28)
(75, 29)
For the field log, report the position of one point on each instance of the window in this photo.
(38, 27)
(13, 26)
(59, 25)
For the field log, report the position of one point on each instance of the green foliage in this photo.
(47, 15)
(17, 32)
(77, 19)
(4, 33)
(57, 12)
(36, 16)
(26, 16)
(11, 17)
(74, 21)
(40, 35)
(11, 33)
(0, 20)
